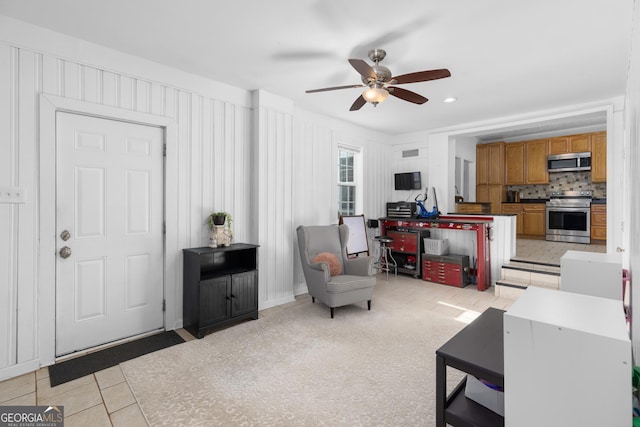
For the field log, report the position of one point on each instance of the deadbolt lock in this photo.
(65, 235)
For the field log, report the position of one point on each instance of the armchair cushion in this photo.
(346, 283)
(335, 268)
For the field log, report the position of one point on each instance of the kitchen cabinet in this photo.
(452, 270)
(598, 222)
(570, 144)
(533, 219)
(526, 162)
(220, 286)
(515, 209)
(514, 155)
(473, 208)
(599, 157)
(530, 217)
(535, 154)
(490, 174)
(406, 249)
(494, 194)
(490, 163)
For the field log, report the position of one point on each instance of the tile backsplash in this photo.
(561, 181)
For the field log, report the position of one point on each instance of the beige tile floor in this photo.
(104, 398)
(551, 252)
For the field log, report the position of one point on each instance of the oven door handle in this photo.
(558, 209)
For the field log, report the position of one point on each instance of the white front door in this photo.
(109, 197)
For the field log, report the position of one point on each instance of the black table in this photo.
(478, 350)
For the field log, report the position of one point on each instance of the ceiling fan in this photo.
(380, 84)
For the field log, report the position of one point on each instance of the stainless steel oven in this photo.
(568, 216)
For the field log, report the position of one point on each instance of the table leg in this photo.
(441, 390)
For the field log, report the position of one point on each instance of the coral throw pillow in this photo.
(335, 268)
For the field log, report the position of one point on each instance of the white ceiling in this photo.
(506, 57)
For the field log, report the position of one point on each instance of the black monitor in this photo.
(408, 181)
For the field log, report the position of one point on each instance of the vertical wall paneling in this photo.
(109, 89)
(91, 86)
(273, 116)
(50, 81)
(8, 283)
(28, 85)
(72, 83)
(126, 91)
(206, 157)
(198, 228)
(143, 96)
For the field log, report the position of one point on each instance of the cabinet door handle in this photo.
(233, 296)
(227, 297)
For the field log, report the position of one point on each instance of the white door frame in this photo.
(49, 105)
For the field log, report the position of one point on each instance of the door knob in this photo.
(65, 235)
(65, 252)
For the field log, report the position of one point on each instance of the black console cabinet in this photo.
(220, 286)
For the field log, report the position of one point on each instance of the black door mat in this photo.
(69, 370)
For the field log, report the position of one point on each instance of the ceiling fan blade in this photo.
(358, 103)
(363, 68)
(324, 89)
(407, 95)
(422, 76)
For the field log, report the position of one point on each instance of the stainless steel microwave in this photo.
(569, 162)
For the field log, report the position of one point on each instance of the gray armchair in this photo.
(354, 285)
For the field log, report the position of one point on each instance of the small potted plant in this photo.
(219, 218)
(220, 229)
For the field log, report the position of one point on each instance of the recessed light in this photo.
(450, 99)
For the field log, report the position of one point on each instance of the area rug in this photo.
(69, 370)
(299, 367)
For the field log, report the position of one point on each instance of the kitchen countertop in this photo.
(525, 201)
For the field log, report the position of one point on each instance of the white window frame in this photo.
(357, 177)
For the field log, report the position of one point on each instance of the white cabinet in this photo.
(589, 273)
(567, 361)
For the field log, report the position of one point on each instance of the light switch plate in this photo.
(12, 195)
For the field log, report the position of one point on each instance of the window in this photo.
(347, 181)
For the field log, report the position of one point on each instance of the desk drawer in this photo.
(403, 242)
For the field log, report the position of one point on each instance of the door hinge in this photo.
(164, 305)
(164, 150)
(164, 227)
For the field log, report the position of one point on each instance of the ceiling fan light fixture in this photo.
(375, 95)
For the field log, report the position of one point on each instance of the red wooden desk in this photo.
(481, 227)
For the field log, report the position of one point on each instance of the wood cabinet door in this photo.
(536, 153)
(515, 209)
(599, 157)
(496, 197)
(495, 163)
(533, 219)
(559, 145)
(482, 156)
(579, 143)
(482, 194)
(514, 155)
